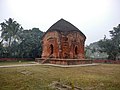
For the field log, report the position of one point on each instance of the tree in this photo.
(10, 30)
(93, 51)
(115, 34)
(108, 47)
(112, 46)
(1, 49)
(30, 45)
(20, 43)
(10, 33)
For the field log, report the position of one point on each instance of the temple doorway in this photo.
(51, 49)
(76, 50)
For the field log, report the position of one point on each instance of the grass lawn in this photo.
(14, 63)
(101, 77)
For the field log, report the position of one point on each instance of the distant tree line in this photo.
(15, 42)
(111, 46)
(92, 51)
(106, 48)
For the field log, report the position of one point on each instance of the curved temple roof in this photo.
(64, 26)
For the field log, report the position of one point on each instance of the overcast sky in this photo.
(95, 18)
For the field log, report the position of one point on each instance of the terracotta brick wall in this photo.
(61, 45)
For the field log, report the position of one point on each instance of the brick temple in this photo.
(63, 43)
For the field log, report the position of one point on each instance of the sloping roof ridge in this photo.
(64, 26)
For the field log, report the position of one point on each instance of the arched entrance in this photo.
(76, 50)
(51, 49)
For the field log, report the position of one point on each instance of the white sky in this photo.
(95, 18)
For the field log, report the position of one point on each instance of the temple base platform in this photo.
(63, 61)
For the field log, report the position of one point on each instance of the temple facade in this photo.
(63, 40)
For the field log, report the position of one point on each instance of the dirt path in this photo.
(55, 65)
(17, 65)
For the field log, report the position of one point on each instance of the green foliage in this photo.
(20, 43)
(108, 46)
(111, 46)
(1, 49)
(93, 51)
(30, 45)
(10, 31)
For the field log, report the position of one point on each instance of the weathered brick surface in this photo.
(57, 45)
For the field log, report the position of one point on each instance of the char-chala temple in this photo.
(63, 43)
